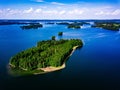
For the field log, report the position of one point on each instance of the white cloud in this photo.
(99, 13)
(14, 12)
(116, 12)
(38, 10)
(38, 0)
(60, 11)
(8, 9)
(57, 3)
(76, 11)
(1, 11)
(28, 10)
(53, 12)
(108, 12)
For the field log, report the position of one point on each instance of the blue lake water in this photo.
(95, 66)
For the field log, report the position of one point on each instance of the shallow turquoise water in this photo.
(95, 66)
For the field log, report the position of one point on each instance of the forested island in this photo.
(47, 56)
(74, 26)
(60, 33)
(108, 25)
(32, 26)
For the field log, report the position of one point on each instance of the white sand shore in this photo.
(50, 69)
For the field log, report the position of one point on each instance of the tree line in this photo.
(46, 53)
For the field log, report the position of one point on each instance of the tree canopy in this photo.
(46, 53)
(60, 33)
(108, 25)
(32, 26)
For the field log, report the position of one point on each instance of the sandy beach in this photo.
(51, 68)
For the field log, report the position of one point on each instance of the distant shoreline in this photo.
(59, 19)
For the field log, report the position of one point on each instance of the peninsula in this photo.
(47, 56)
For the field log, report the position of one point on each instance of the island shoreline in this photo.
(15, 68)
(52, 69)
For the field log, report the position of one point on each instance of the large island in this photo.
(108, 25)
(47, 56)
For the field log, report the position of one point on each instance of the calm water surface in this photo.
(95, 66)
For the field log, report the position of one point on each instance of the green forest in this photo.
(108, 25)
(32, 26)
(46, 53)
(74, 26)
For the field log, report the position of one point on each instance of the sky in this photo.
(59, 9)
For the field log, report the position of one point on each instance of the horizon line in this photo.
(59, 19)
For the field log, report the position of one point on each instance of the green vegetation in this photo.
(32, 26)
(74, 26)
(74, 23)
(108, 25)
(53, 37)
(62, 23)
(80, 23)
(60, 33)
(46, 53)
